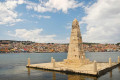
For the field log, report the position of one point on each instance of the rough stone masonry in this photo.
(76, 61)
(75, 52)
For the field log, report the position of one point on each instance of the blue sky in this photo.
(47, 21)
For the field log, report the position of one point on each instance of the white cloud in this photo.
(9, 16)
(41, 16)
(35, 35)
(54, 5)
(7, 13)
(69, 25)
(103, 22)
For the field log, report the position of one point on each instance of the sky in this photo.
(50, 21)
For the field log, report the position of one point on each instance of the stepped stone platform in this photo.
(87, 69)
(76, 61)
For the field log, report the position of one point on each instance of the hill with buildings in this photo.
(11, 46)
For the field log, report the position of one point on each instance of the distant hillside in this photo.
(12, 46)
(30, 42)
(13, 41)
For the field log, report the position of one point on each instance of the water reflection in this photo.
(28, 71)
(80, 77)
(119, 68)
(70, 76)
(110, 74)
(54, 76)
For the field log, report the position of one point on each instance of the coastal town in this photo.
(9, 46)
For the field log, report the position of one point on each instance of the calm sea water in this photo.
(13, 66)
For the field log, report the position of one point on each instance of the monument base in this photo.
(77, 61)
(87, 69)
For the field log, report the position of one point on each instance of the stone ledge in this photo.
(85, 69)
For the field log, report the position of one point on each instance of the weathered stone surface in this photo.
(75, 46)
(76, 61)
(95, 66)
(62, 66)
(51, 59)
(28, 62)
(110, 62)
(76, 53)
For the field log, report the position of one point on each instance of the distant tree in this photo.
(118, 43)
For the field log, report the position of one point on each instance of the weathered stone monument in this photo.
(75, 52)
(76, 61)
(75, 46)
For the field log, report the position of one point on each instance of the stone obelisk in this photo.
(75, 51)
